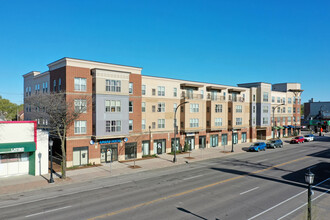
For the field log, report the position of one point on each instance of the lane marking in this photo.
(261, 213)
(249, 190)
(261, 160)
(191, 190)
(53, 210)
(303, 205)
(67, 194)
(189, 178)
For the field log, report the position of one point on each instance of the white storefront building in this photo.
(23, 149)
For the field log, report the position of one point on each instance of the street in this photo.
(254, 185)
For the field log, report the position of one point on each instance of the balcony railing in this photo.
(185, 95)
(236, 98)
(216, 98)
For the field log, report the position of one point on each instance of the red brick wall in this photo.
(136, 116)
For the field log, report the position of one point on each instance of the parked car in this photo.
(275, 143)
(297, 140)
(309, 137)
(258, 146)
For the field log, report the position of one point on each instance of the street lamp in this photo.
(273, 128)
(149, 140)
(176, 129)
(51, 180)
(232, 139)
(309, 178)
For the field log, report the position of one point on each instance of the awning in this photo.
(17, 147)
(276, 128)
(280, 127)
(290, 126)
(285, 126)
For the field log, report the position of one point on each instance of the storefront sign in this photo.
(20, 149)
(110, 141)
(190, 134)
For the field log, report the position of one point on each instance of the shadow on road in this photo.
(187, 211)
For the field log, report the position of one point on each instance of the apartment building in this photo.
(132, 115)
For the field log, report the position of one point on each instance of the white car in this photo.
(309, 137)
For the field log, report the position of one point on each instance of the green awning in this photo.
(281, 127)
(17, 147)
(276, 128)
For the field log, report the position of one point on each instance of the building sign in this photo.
(110, 141)
(190, 134)
(19, 149)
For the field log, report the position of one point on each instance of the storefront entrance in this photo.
(202, 141)
(14, 164)
(130, 150)
(224, 139)
(190, 143)
(235, 138)
(243, 137)
(214, 140)
(145, 148)
(109, 153)
(175, 143)
(160, 146)
(80, 156)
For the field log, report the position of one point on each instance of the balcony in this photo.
(235, 98)
(216, 98)
(185, 95)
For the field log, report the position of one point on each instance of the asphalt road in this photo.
(256, 185)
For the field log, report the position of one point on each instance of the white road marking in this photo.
(261, 160)
(303, 205)
(249, 191)
(53, 210)
(285, 200)
(192, 177)
(67, 194)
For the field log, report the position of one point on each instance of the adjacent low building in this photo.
(23, 149)
(132, 115)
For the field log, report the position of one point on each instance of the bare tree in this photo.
(60, 112)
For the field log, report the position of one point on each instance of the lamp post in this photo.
(309, 178)
(149, 140)
(51, 180)
(273, 128)
(232, 139)
(176, 130)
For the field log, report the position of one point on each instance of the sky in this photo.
(223, 42)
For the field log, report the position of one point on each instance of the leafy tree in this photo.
(9, 109)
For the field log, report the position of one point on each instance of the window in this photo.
(294, 110)
(153, 91)
(289, 100)
(161, 123)
(194, 122)
(113, 126)
(130, 88)
(59, 84)
(273, 98)
(202, 94)
(153, 108)
(278, 119)
(214, 95)
(79, 84)
(218, 122)
(161, 90)
(218, 108)
(143, 106)
(112, 85)
(265, 120)
(80, 105)
(278, 110)
(113, 106)
(298, 110)
(229, 122)
(143, 89)
(175, 92)
(265, 97)
(283, 120)
(80, 127)
(224, 95)
(294, 119)
(254, 120)
(43, 88)
(278, 99)
(153, 125)
(54, 85)
(265, 109)
(283, 100)
(30, 90)
(143, 123)
(194, 108)
(289, 119)
(289, 109)
(254, 109)
(175, 106)
(254, 98)
(130, 125)
(130, 106)
(161, 107)
(283, 109)
(238, 121)
(238, 108)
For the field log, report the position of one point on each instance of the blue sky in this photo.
(225, 42)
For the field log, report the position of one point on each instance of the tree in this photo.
(9, 110)
(60, 111)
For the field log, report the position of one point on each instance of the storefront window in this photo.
(214, 140)
(130, 150)
(159, 146)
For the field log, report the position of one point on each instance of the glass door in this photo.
(235, 138)
(202, 141)
(224, 139)
(145, 148)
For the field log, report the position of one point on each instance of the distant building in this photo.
(312, 109)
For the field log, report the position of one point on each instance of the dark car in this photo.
(258, 146)
(275, 143)
(297, 140)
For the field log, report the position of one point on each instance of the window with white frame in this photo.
(80, 105)
(143, 107)
(289, 119)
(113, 106)
(283, 100)
(294, 119)
(143, 124)
(278, 99)
(298, 110)
(130, 88)
(194, 108)
(294, 110)
(253, 109)
(218, 108)
(202, 93)
(80, 127)
(265, 96)
(175, 92)
(278, 119)
(278, 110)
(265, 109)
(283, 120)
(218, 122)
(143, 89)
(273, 98)
(238, 121)
(130, 106)
(79, 84)
(161, 107)
(174, 106)
(161, 123)
(254, 97)
(289, 100)
(265, 120)
(239, 108)
(113, 126)
(283, 109)
(161, 90)
(254, 120)
(112, 85)
(194, 122)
